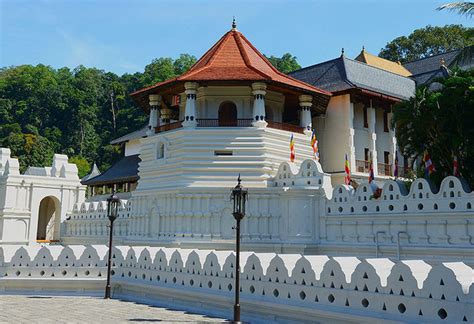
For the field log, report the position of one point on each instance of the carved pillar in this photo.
(393, 141)
(259, 92)
(155, 102)
(373, 137)
(306, 102)
(352, 158)
(190, 107)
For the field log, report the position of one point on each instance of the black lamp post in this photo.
(113, 203)
(239, 196)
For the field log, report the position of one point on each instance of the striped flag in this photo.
(371, 170)
(429, 166)
(455, 166)
(292, 149)
(314, 145)
(347, 169)
(395, 168)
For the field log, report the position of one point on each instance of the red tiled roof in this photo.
(234, 58)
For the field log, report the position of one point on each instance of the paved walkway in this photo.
(66, 309)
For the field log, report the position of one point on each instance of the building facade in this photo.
(33, 205)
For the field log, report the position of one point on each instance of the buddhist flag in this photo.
(429, 166)
(455, 166)
(395, 168)
(347, 169)
(292, 149)
(371, 170)
(314, 145)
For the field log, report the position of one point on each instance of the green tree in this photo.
(285, 64)
(427, 41)
(440, 121)
(83, 166)
(158, 70)
(183, 63)
(75, 112)
(31, 150)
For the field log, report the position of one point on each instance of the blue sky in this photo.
(125, 35)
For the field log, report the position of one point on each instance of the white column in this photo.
(352, 158)
(306, 102)
(190, 107)
(394, 142)
(259, 92)
(155, 102)
(373, 137)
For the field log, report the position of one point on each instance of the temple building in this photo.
(357, 121)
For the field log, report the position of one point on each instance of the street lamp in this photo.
(239, 196)
(113, 203)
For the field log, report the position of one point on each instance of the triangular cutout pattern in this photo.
(384, 307)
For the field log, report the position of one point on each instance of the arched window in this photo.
(227, 114)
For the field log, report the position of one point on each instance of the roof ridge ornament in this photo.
(234, 24)
(342, 52)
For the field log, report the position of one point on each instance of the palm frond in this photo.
(461, 7)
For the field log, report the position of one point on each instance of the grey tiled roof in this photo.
(124, 170)
(343, 74)
(432, 63)
(428, 69)
(427, 77)
(130, 136)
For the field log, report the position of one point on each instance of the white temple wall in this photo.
(22, 194)
(190, 161)
(132, 147)
(298, 212)
(275, 287)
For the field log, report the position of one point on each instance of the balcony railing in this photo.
(362, 166)
(384, 169)
(286, 127)
(168, 127)
(209, 122)
(244, 122)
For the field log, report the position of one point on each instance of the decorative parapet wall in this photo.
(89, 220)
(308, 175)
(284, 286)
(418, 216)
(33, 204)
